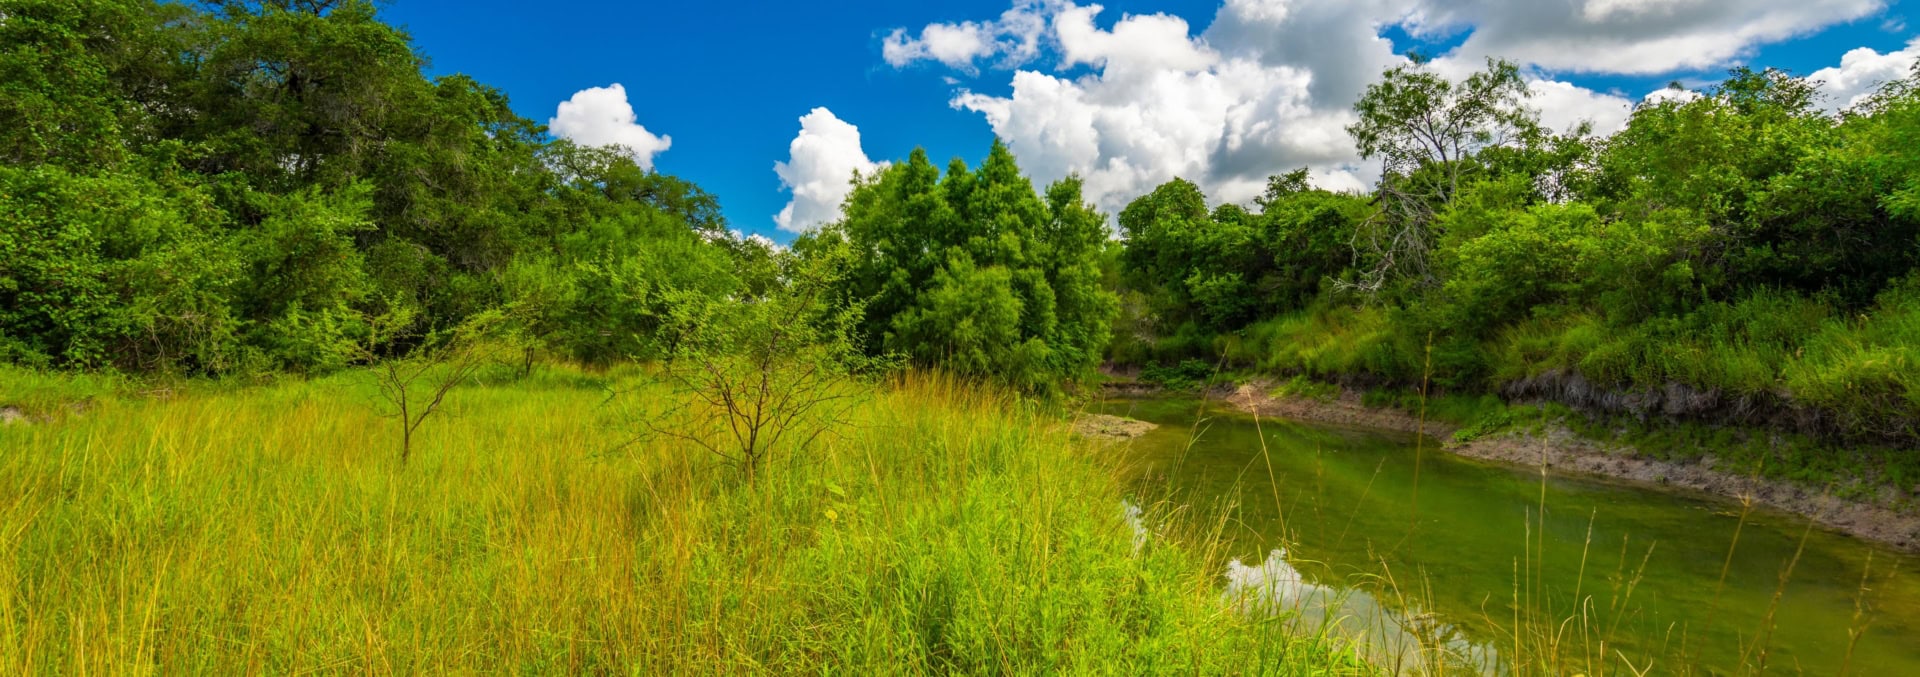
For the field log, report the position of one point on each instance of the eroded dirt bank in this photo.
(1113, 428)
(1563, 451)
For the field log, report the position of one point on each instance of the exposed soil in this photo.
(1564, 451)
(12, 415)
(1346, 410)
(1104, 427)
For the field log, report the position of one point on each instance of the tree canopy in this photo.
(243, 186)
(1739, 248)
(975, 272)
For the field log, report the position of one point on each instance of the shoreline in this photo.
(1564, 451)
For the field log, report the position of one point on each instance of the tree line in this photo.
(1736, 253)
(241, 187)
(263, 186)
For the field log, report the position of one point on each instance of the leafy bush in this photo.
(1225, 269)
(113, 270)
(1187, 375)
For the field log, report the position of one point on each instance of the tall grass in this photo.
(1861, 371)
(273, 530)
(1820, 395)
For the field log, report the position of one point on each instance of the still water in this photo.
(1431, 562)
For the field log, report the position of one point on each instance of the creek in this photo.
(1429, 562)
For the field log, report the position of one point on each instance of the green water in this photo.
(1425, 576)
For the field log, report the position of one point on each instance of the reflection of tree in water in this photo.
(1401, 641)
(1346, 495)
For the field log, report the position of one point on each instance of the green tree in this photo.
(1427, 131)
(113, 270)
(241, 184)
(975, 272)
(1794, 197)
(1223, 269)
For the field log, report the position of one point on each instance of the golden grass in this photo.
(273, 530)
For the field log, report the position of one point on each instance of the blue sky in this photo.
(1127, 102)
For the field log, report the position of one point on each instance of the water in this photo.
(1462, 570)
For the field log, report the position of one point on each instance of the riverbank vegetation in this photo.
(1740, 257)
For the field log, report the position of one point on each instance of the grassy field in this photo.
(212, 529)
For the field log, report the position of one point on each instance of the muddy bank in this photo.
(1346, 410)
(1106, 427)
(1563, 451)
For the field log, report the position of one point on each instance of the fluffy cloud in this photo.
(1562, 106)
(1225, 108)
(1270, 84)
(1163, 102)
(1154, 42)
(1629, 36)
(1014, 37)
(954, 45)
(1666, 94)
(820, 170)
(601, 116)
(1861, 73)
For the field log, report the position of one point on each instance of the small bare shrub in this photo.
(752, 377)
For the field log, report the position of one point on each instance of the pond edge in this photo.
(1564, 451)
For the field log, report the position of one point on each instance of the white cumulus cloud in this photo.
(1164, 102)
(823, 160)
(1153, 42)
(1269, 86)
(954, 45)
(1562, 105)
(1861, 73)
(1014, 38)
(1629, 36)
(602, 116)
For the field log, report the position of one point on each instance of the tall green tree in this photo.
(975, 272)
(1225, 268)
(1428, 131)
(1794, 197)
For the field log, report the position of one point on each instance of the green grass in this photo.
(1324, 342)
(1860, 370)
(1306, 388)
(44, 395)
(220, 530)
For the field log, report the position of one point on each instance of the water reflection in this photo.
(1602, 575)
(1137, 522)
(1402, 642)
